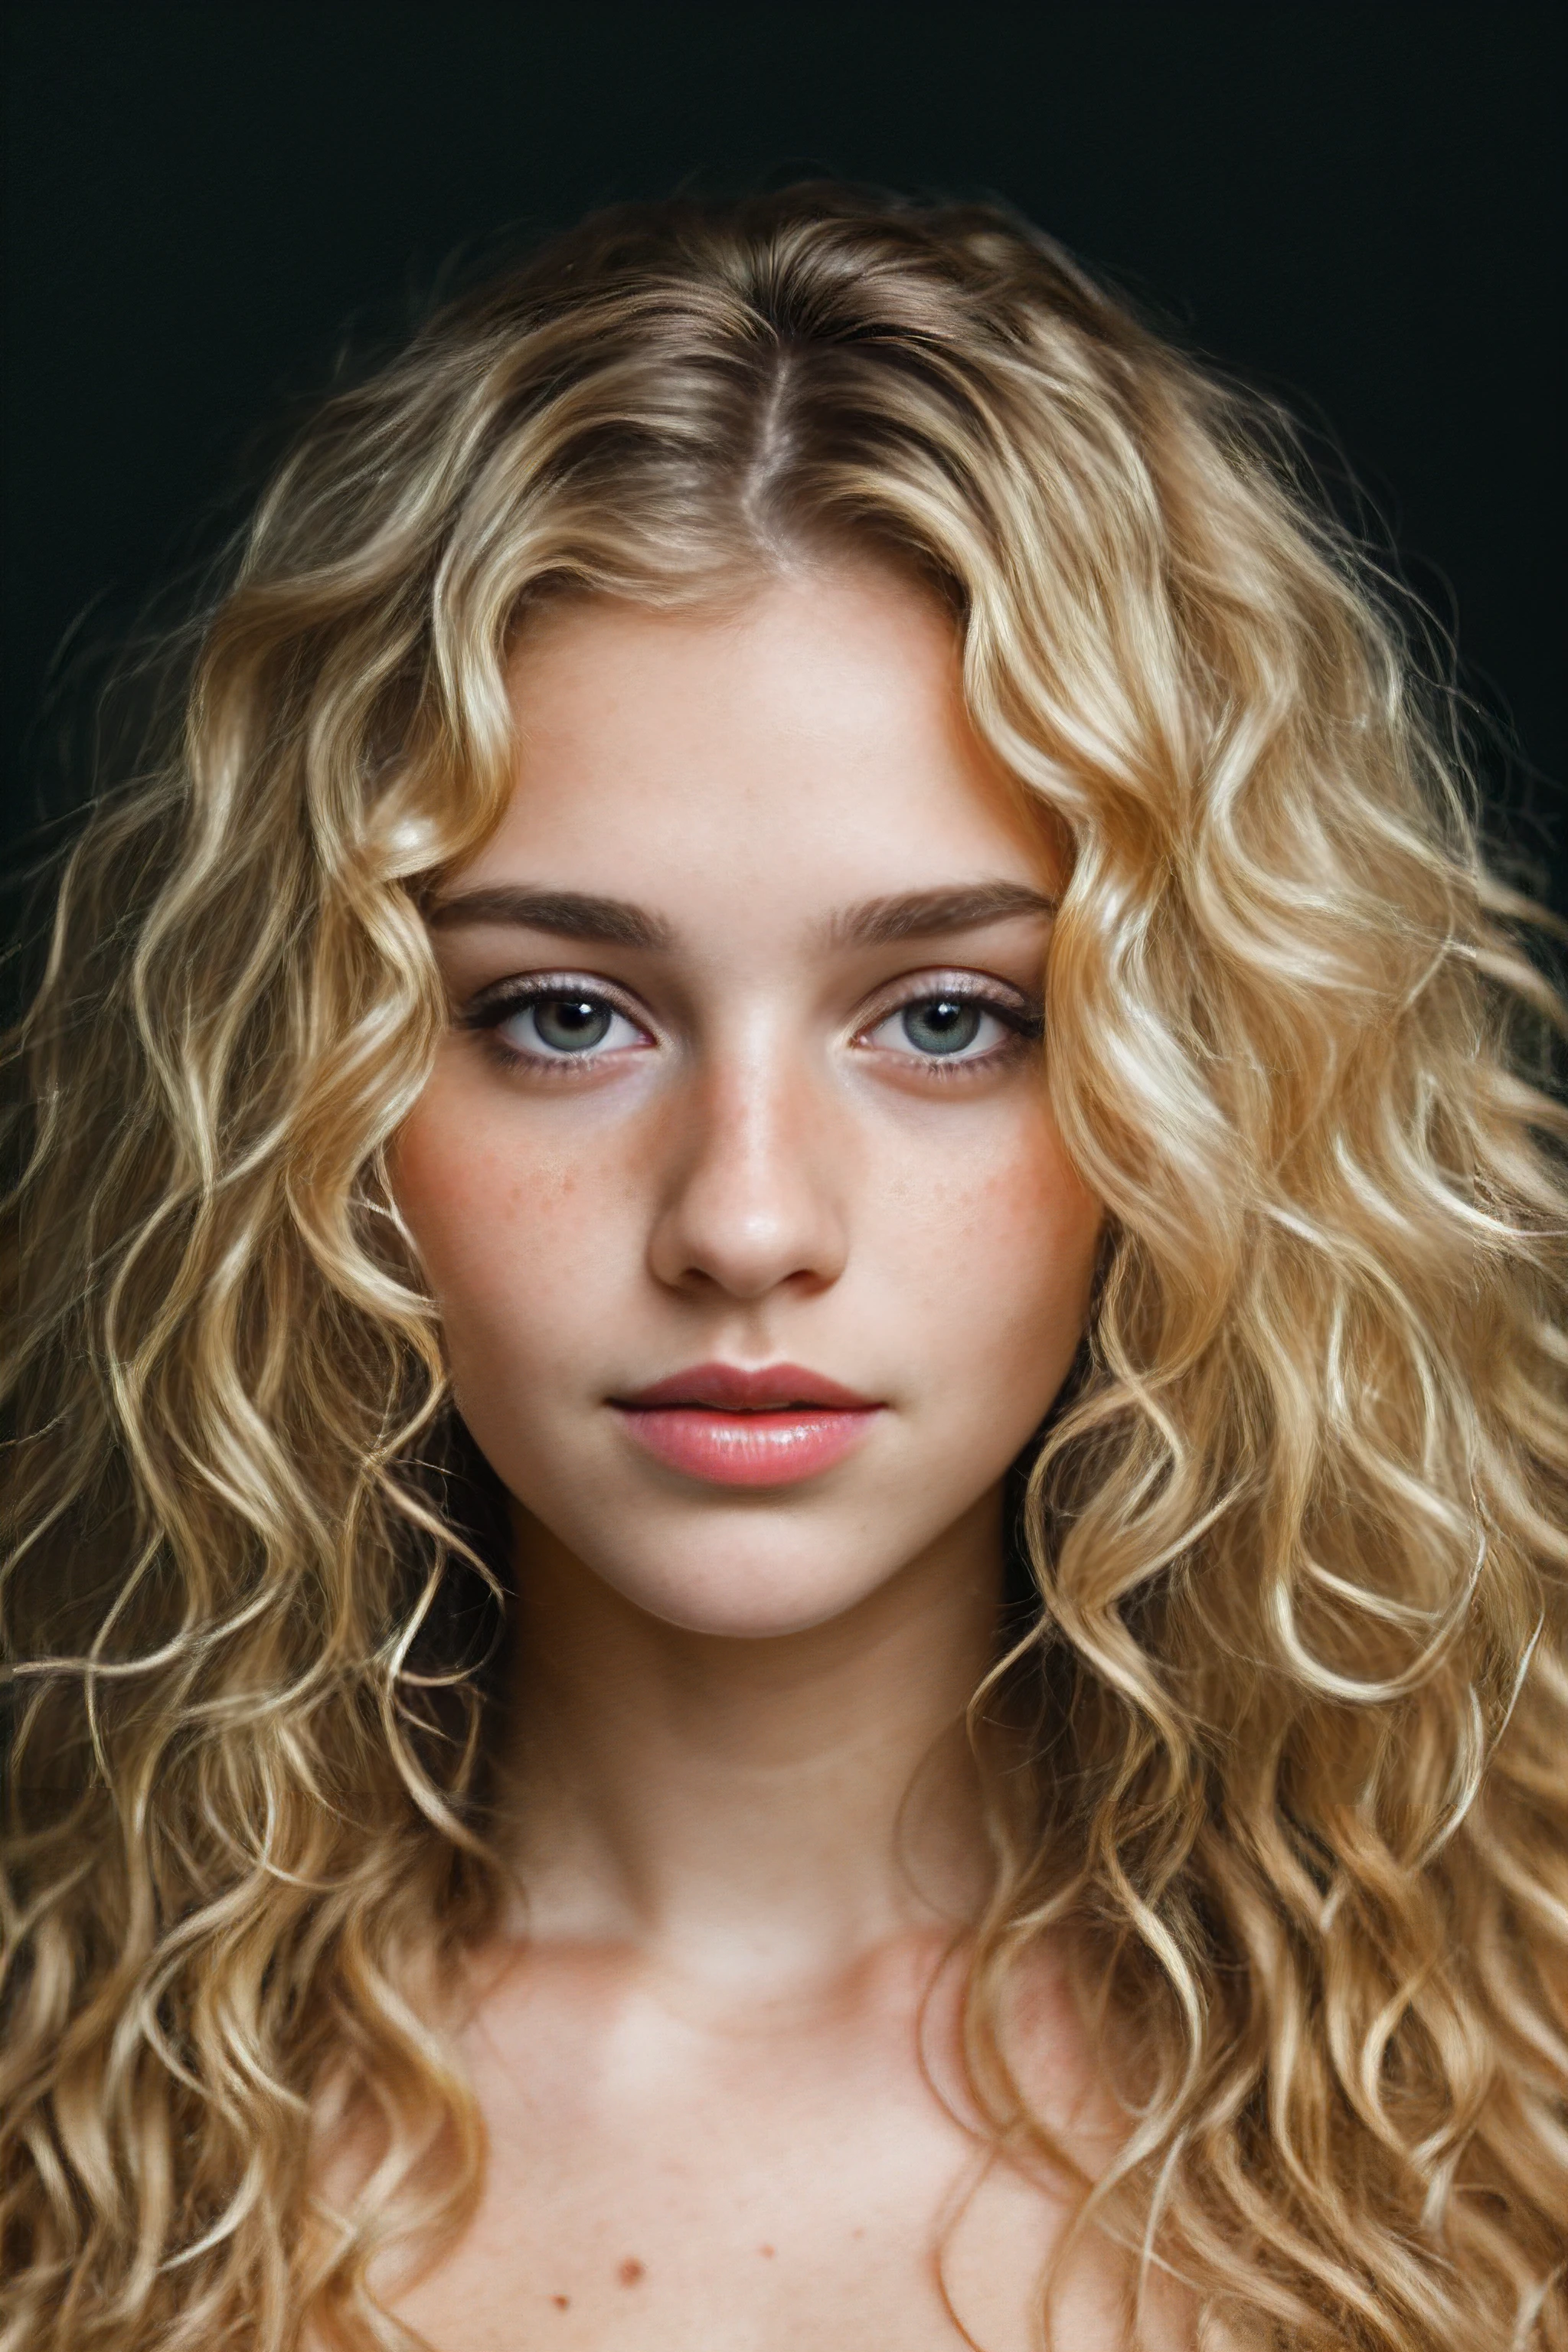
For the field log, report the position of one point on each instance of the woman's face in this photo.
(757, 1251)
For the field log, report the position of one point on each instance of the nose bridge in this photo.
(752, 1200)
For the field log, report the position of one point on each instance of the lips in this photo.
(732, 1427)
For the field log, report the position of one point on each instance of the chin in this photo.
(755, 1583)
(764, 1601)
(754, 1615)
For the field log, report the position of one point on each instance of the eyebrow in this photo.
(917, 914)
(570, 914)
(619, 922)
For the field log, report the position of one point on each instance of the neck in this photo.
(731, 1806)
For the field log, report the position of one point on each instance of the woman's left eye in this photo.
(944, 1027)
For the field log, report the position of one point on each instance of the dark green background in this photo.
(1355, 207)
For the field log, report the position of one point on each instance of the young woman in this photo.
(790, 1429)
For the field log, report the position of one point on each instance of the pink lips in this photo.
(736, 1428)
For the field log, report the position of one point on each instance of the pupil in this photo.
(944, 1024)
(570, 1024)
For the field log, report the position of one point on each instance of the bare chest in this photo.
(800, 2183)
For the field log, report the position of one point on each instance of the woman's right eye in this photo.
(561, 1025)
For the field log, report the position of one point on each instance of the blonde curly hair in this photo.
(1296, 1527)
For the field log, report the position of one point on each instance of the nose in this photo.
(754, 1194)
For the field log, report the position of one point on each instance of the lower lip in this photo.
(748, 1449)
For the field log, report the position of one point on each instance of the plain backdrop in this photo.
(1356, 208)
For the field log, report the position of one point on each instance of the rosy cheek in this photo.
(492, 1204)
(1031, 1187)
(1037, 1234)
(461, 1187)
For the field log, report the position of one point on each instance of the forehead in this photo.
(802, 745)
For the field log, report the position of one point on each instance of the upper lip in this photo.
(730, 1388)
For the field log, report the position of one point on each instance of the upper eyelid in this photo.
(518, 987)
(981, 987)
(939, 976)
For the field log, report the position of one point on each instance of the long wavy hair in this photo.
(1298, 1661)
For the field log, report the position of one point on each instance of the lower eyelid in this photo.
(561, 1066)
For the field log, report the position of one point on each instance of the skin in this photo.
(714, 2046)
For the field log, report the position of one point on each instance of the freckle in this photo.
(856, 2233)
(631, 2271)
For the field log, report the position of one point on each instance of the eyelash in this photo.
(1024, 1021)
(493, 1009)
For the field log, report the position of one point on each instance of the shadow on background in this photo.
(1355, 208)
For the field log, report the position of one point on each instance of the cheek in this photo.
(999, 1264)
(1050, 1218)
(511, 1231)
